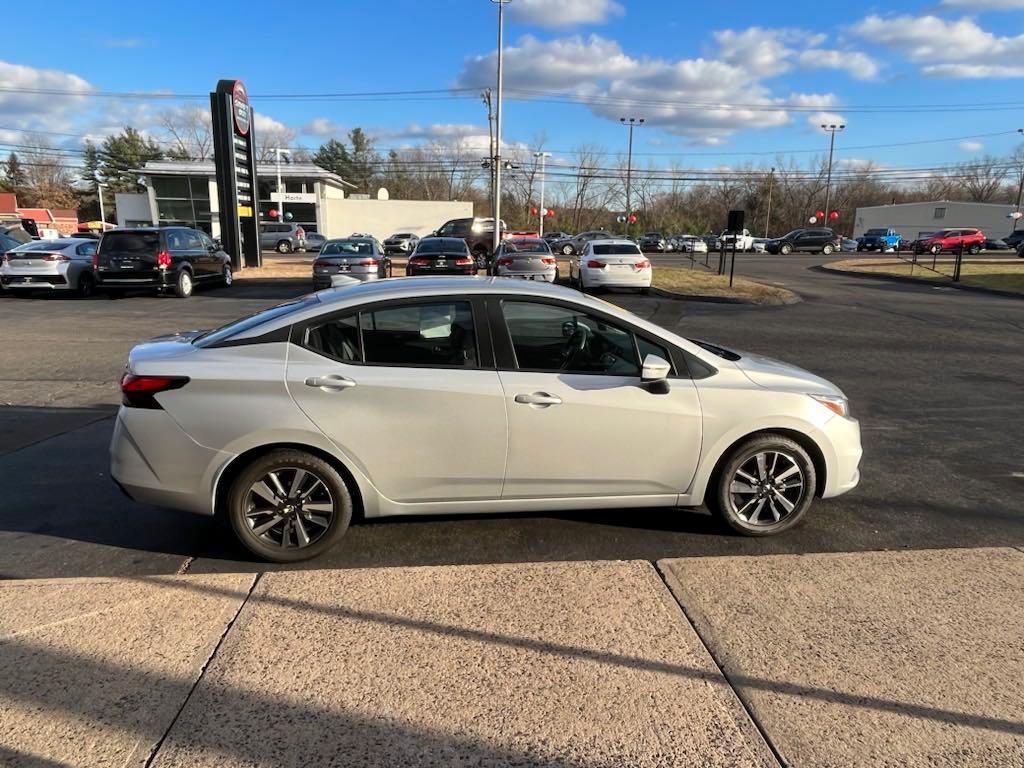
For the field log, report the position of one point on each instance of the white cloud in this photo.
(983, 5)
(971, 146)
(563, 13)
(265, 123)
(819, 119)
(323, 127)
(858, 65)
(703, 99)
(126, 42)
(948, 49)
(40, 111)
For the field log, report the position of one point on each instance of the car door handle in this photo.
(330, 383)
(542, 399)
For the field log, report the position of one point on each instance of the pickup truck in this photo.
(879, 240)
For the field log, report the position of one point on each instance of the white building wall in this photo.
(914, 219)
(133, 208)
(383, 218)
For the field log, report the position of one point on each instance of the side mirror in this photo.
(655, 374)
(655, 369)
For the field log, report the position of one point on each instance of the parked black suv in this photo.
(166, 258)
(653, 241)
(809, 240)
(478, 234)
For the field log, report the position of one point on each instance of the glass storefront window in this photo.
(175, 187)
(200, 188)
(175, 211)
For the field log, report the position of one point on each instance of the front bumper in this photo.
(843, 436)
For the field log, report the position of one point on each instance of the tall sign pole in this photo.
(235, 161)
(497, 128)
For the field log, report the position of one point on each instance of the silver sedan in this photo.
(55, 265)
(526, 258)
(350, 401)
(361, 258)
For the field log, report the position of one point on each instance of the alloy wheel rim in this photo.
(289, 508)
(227, 276)
(767, 488)
(186, 283)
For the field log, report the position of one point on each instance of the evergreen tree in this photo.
(333, 156)
(123, 156)
(91, 162)
(14, 174)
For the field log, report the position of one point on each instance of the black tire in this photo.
(860, 249)
(568, 250)
(722, 500)
(974, 250)
(183, 285)
(284, 247)
(286, 462)
(227, 277)
(785, 249)
(935, 250)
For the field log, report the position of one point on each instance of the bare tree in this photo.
(982, 180)
(190, 131)
(268, 139)
(48, 179)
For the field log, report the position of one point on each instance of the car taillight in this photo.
(417, 261)
(163, 259)
(642, 265)
(96, 259)
(300, 232)
(464, 260)
(594, 264)
(319, 263)
(55, 257)
(550, 261)
(504, 261)
(368, 263)
(140, 391)
(6, 259)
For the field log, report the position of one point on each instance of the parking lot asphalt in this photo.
(933, 374)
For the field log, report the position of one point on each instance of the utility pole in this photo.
(632, 122)
(1020, 188)
(486, 98)
(542, 156)
(768, 217)
(833, 129)
(496, 157)
(280, 190)
(103, 218)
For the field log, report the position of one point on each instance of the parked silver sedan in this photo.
(352, 401)
(526, 258)
(56, 265)
(361, 258)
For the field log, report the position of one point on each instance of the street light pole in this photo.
(542, 156)
(280, 191)
(486, 98)
(103, 217)
(497, 128)
(833, 129)
(1020, 188)
(632, 122)
(768, 217)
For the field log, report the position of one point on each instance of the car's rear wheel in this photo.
(974, 250)
(227, 276)
(765, 486)
(86, 285)
(567, 250)
(289, 505)
(183, 285)
(284, 247)
(827, 250)
(935, 250)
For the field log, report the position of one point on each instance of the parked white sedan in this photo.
(56, 265)
(451, 395)
(611, 264)
(693, 244)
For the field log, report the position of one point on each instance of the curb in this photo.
(905, 279)
(663, 294)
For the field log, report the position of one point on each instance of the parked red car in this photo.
(972, 240)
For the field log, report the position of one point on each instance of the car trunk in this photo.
(527, 263)
(443, 262)
(342, 265)
(34, 262)
(128, 255)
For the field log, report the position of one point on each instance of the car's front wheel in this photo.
(86, 285)
(765, 486)
(827, 250)
(227, 276)
(568, 250)
(289, 505)
(284, 247)
(786, 249)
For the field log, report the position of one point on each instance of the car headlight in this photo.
(837, 404)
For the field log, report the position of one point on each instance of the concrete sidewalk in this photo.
(912, 658)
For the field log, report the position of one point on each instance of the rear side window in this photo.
(337, 338)
(130, 242)
(86, 249)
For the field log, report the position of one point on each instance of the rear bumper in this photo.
(594, 278)
(410, 271)
(540, 277)
(155, 462)
(161, 279)
(35, 282)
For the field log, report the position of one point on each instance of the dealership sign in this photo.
(235, 160)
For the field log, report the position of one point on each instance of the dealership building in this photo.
(184, 193)
(914, 220)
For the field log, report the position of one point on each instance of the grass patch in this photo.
(1002, 276)
(700, 282)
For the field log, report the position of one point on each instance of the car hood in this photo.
(770, 373)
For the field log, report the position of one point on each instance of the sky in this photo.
(718, 83)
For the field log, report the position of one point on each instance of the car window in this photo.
(616, 249)
(86, 249)
(130, 242)
(192, 241)
(437, 335)
(207, 242)
(337, 338)
(176, 241)
(255, 320)
(559, 339)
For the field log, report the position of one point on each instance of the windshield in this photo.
(45, 245)
(252, 321)
(347, 248)
(794, 233)
(527, 246)
(616, 249)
